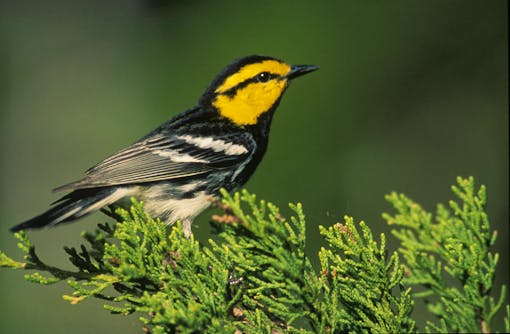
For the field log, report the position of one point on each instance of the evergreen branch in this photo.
(32, 262)
(507, 319)
(453, 246)
(362, 277)
(254, 275)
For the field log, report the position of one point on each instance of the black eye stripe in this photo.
(232, 91)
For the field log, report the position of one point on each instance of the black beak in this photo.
(299, 70)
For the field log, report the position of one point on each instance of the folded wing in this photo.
(162, 157)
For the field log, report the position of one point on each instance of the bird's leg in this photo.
(186, 228)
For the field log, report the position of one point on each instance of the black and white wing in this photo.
(163, 157)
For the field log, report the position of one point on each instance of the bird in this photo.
(178, 169)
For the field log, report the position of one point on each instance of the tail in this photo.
(73, 206)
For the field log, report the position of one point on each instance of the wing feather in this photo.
(164, 157)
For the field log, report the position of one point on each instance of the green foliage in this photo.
(254, 275)
(361, 278)
(449, 255)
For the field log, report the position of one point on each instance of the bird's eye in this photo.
(263, 77)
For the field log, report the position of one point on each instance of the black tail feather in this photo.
(72, 206)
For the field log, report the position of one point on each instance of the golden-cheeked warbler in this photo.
(178, 169)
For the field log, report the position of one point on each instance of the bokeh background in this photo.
(410, 94)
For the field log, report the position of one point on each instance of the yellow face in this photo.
(251, 91)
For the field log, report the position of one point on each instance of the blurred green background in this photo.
(410, 94)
